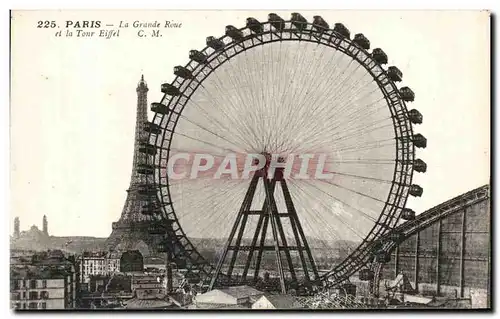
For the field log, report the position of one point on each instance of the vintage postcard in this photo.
(250, 160)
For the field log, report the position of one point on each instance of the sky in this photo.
(73, 103)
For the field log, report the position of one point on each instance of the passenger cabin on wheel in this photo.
(254, 25)
(415, 116)
(197, 56)
(299, 21)
(320, 24)
(170, 89)
(379, 56)
(182, 72)
(215, 43)
(419, 141)
(159, 108)
(276, 21)
(407, 94)
(416, 190)
(234, 33)
(362, 41)
(152, 128)
(342, 30)
(408, 214)
(419, 166)
(394, 74)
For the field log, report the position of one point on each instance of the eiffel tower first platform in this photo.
(131, 231)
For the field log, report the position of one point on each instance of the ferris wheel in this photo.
(290, 91)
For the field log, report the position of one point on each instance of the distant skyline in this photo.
(73, 106)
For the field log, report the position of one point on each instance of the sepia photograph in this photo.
(249, 160)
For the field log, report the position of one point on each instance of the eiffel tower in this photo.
(132, 230)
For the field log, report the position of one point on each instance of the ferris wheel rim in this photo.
(402, 129)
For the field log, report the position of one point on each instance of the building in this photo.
(131, 261)
(450, 257)
(445, 254)
(113, 262)
(107, 291)
(99, 263)
(277, 302)
(17, 224)
(92, 264)
(50, 281)
(153, 284)
(155, 263)
(228, 298)
(146, 301)
(45, 226)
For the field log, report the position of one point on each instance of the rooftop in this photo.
(154, 261)
(40, 272)
(136, 303)
(241, 291)
(94, 254)
(283, 301)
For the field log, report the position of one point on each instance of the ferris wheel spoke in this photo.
(354, 89)
(213, 133)
(307, 218)
(189, 187)
(283, 102)
(282, 87)
(235, 131)
(302, 109)
(316, 130)
(230, 110)
(361, 132)
(375, 161)
(367, 216)
(357, 134)
(291, 102)
(241, 101)
(346, 132)
(323, 101)
(366, 145)
(342, 135)
(358, 115)
(222, 207)
(337, 124)
(353, 191)
(381, 180)
(319, 215)
(213, 220)
(334, 94)
(299, 107)
(205, 227)
(256, 106)
(348, 103)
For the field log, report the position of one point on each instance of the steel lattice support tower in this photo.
(268, 217)
(133, 229)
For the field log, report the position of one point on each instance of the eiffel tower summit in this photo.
(131, 231)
